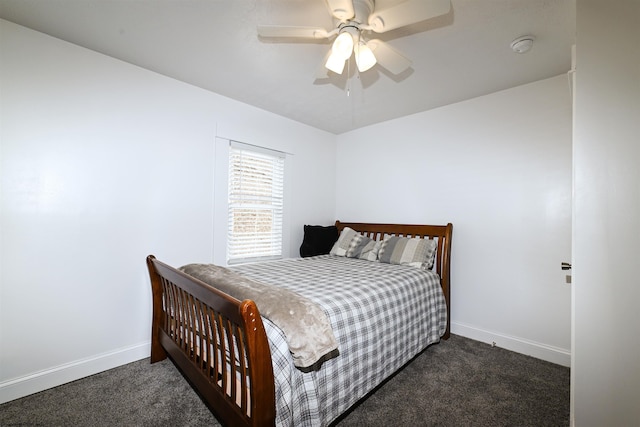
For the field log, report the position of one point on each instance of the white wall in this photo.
(103, 163)
(606, 348)
(90, 148)
(499, 168)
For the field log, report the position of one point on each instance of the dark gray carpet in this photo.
(459, 382)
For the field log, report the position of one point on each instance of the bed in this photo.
(381, 315)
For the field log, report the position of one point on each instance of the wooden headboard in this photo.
(441, 233)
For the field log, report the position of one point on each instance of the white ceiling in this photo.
(213, 44)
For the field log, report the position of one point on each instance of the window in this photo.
(256, 195)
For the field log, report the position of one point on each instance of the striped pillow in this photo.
(415, 252)
(341, 246)
(364, 248)
(352, 244)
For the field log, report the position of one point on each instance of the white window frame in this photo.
(221, 202)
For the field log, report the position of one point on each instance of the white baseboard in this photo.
(557, 355)
(53, 377)
(43, 380)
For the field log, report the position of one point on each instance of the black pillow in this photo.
(318, 240)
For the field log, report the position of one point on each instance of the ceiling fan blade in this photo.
(341, 9)
(388, 57)
(407, 13)
(292, 32)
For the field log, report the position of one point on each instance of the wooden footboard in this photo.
(218, 342)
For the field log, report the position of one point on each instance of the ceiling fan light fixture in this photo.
(352, 19)
(335, 63)
(365, 59)
(343, 45)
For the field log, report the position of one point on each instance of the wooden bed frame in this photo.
(220, 344)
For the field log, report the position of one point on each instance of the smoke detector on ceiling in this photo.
(522, 44)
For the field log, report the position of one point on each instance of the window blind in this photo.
(256, 201)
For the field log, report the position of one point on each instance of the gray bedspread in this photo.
(382, 315)
(306, 327)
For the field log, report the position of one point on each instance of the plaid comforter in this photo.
(381, 314)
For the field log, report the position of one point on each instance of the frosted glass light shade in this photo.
(343, 45)
(335, 63)
(365, 59)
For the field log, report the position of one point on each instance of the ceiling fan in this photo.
(354, 20)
